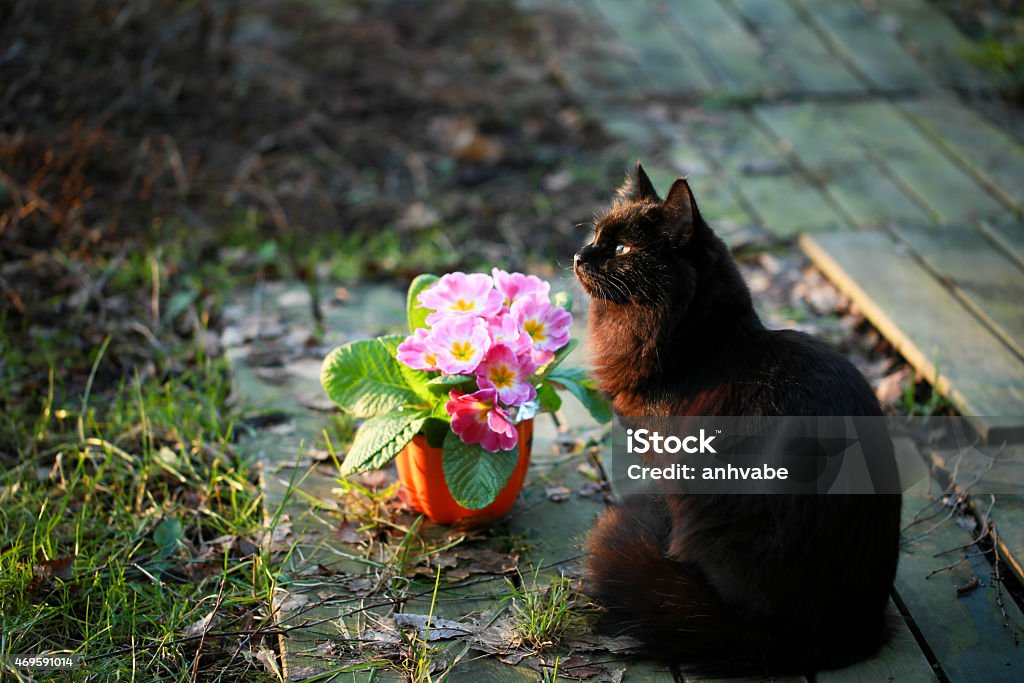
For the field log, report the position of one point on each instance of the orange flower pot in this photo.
(422, 477)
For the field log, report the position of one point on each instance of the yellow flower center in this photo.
(482, 409)
(462, 351)
(431, 359)
(535, 329)
(463, 305)
(501, 376)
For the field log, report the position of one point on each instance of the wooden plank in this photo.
(992, 471)
(943, 188)
(839, 164)
(1007, 233)
(735, 56)
(965, 632)
(984, 279)
(594, 63)
(928, 326)
(859, 39)
(797, 47)
(994, 158)
(673, 66)
(720, 203)
(900, 660)
(784, 199)
(931, 36)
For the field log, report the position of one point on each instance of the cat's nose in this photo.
(584, 256)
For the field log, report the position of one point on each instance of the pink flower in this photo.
(417, 352)
(477, 418)
(516, 286)
(458, 294)
(505, 330)
(547, 325)
(459, 343)
(507, 374)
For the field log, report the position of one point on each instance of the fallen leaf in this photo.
(595, 641)
(348, 532)
(276, 540)
(267, 657)
(380, 638)
(60, 568)
(557, 494)
(289, 602)
(439, 629)
(202, 626)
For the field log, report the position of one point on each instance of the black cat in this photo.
(724, 584)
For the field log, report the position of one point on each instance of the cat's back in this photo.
(787, 372)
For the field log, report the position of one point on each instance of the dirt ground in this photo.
(155, 153)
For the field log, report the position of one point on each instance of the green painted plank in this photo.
(783, 199)
(860, 39)
(1007, 233)
(900, 660)
(928, 326)
(720, 203)
(948, 192)
(998, 471)
(591, 60)
(736, 57)
(989, 154)
(788, 39)
(988, 282)
(965, 633)
(839, 164)
(934, 39)
(672, 65)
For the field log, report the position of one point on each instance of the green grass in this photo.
(128, 517)
(543, 612)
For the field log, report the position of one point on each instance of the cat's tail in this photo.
(664, 603)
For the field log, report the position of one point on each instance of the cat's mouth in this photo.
(586, 278)
(597, 288)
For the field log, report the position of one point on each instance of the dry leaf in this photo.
(439, 629)
(267, 657)
(202, 626)
(289, 602)
(557, 494)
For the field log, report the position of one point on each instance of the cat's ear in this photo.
(638, 187)
(681, 212)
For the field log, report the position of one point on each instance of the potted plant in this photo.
(454, 400)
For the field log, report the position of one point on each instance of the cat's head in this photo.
(644, 249)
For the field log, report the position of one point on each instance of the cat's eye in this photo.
(622, 249)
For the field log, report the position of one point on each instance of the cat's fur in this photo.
(726, 584)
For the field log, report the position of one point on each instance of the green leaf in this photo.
(578, 383)
(418, 380)
(445, 383)
(560, 356)
(365, 379)
(167, 535)
(549, 399)
(563, 300)
(416, 314)
(380, 439)
(435, 429)
(474, 476)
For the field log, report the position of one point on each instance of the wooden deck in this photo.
(822, 116)
(335, 594)
(822, 121)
